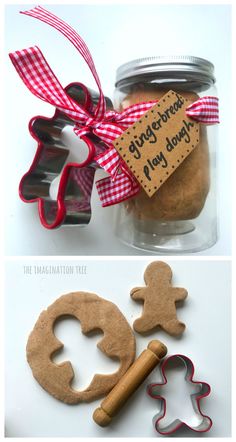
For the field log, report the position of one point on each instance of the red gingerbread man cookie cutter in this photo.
(72, 205)
(154, 391)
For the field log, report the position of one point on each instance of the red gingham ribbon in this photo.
(107, 125)
(204, 110)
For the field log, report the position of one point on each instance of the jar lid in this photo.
(166, 65)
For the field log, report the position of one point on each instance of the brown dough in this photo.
(159, 298)
(183, 195)
(93, 313)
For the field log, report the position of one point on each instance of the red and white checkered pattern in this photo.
(109, 161)
(41, 81)
(112, 192)
(52, 20)
(84, 179)
(204, 110)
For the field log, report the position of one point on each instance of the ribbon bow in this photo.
(106, 125)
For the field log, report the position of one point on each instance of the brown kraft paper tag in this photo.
(159, 142)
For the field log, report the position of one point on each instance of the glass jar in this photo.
(181, 215)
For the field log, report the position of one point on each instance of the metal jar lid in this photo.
(165, 65)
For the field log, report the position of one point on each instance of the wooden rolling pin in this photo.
(129, 383)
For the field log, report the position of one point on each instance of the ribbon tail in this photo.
(65, 29)
(114, 192)
(39, 78)
(83, 178)
(110, 161)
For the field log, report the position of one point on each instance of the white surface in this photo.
(30, 411)
(105, 29)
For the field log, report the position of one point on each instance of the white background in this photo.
(114, 34)
(30, 411)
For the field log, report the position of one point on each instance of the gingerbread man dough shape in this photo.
(93, 313)
(159, 301)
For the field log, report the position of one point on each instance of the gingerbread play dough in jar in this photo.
(180, 216)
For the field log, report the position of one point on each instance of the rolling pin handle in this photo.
(158, 348)
(101, 417)
(129, 383)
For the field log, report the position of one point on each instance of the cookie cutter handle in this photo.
(129, 383)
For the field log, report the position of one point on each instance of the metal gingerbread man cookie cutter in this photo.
(153, 390)
(72, 206)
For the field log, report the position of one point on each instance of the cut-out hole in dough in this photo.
(81, 350)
